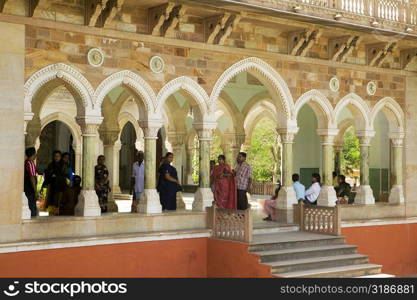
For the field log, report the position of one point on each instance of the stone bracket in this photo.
(377, 53)
(93, 9)
(108, 14)
(300, 42)
(407, 56)
(218, 28)
(32, 6)
(164, 18)
(2, 3)
(341, 48)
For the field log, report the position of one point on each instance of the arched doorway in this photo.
(55, 136)
(127, 156)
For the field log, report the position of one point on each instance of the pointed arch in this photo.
(192, 88)
(68, 121)
(359, 109)
(320, 105)
(136, 85)
(343, 126)
(274, 83)
(126, 117)
(61, 74)
(395, 117)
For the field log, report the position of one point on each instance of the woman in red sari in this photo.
(224, 184)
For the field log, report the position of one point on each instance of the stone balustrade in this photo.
(384, 11)
(230, 224)
(320, 219)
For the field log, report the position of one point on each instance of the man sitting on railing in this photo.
(314, 190)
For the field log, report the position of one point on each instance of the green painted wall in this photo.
(306, 149)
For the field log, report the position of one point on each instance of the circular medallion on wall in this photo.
(334, 84)
(371, 88)
(95, 57)
(156, 64)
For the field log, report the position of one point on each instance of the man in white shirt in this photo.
(138, 179)
(314, 190)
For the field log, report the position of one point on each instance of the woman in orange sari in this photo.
(224, 184)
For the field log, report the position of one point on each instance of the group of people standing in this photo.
(62, 186)
(230, 186)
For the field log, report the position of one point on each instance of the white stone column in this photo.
(88, 201)
(338, 158)
(397, 194)
(149, 202)
(327, 196)
(364, 194)
(286, 196)
(111, 153)
(189, 150)
(176, 139)
(26, 213)
(78, 160)
(232, 146)
(204, 196)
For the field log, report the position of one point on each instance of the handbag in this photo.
(179, 188)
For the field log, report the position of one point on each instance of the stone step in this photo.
(335, 272)
(274, 229)
(306, 252)
(292, 240)
(382, 275)
(122, 197)
(317, 263)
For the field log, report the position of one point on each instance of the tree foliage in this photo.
(265, 154)
(351, 152)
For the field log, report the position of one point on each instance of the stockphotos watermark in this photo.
(71, 289)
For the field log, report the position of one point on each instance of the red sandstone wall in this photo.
(174, 258)
(393, 246)
(231, 259)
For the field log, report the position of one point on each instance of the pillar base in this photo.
(26, 213)
(149, 202)
(285, 216)
(112, 205)
(327, 196)
(180, 201)
(87, 204)
(203, 198)
(396, 194)
(116, 189)
(364, 195)
(286, 198)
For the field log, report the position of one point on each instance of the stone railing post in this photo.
(286, 196)
(327, 196)
(365, 194)
(396, 194)
(149, 202)
(204, 196)
(111, 152)
(88, 202)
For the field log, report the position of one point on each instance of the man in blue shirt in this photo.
(298, 187)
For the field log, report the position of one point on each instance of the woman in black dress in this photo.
(168, 184)
(55, 180)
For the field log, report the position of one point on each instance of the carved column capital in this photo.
(397, 139)
(287, 134)
(109, 137)
(89, 125)
(365, 137)
(151, 128)
(176, 139)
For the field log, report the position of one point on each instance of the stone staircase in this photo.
(293, 253)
